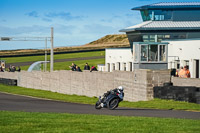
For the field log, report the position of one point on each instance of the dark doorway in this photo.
(130, 66)
(108, 67)
(197, 68)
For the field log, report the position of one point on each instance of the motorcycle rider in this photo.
(118, 90)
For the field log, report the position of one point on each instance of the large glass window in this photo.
(153, 38)
(145, 15)
(189, 15)
(145, 38)
(156, 15)
(144, 52)
(162, 52)
(153, 52)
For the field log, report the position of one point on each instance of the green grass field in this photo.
(153, 104)
(61, 65)
(56, 56)
(26, 122)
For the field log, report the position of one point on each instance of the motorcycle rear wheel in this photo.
(98, 105)
(113, 104)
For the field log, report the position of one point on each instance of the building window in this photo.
(154, 38)
(144, 52)
(162, 52)
(153, 52)
(145, 38)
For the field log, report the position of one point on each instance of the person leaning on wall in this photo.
(73, 67)
(187, 71)
(86, 67)
(184, 72)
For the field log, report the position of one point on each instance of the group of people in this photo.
(10, 69)
(75, 67)
(183, 72)
(13, 69)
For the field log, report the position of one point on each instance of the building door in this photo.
(131, 66)
(197, 68)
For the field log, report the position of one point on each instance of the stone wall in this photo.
(178, 93)
(186, 81)
(138, 84)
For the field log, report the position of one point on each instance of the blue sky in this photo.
(75, 22)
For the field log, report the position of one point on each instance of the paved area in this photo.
(11, 102)
(57, 60)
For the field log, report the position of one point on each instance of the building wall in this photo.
(184, 50)
(138, 84)
(119, 59)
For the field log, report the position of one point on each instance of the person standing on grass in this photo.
(86, 67)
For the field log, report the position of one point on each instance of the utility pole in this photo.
(45, 64)
(51, 61)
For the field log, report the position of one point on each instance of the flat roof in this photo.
(170, 5)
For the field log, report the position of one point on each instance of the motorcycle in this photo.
(110, 100)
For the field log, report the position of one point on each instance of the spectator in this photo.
(19, 69)
(73, 67)
(181, 72)
(1, 69)
(9, 69)
(184, 72)
(86, 67)
(78, 69)
(12, 69)
(93, 69)
(187, 72)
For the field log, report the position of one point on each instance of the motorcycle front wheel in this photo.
(113, 104)
(98, 105)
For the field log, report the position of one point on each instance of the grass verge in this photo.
(153, 104)
(72, 123)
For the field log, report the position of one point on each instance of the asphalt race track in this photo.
(11, 102)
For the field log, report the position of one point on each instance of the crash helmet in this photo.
(120, 88)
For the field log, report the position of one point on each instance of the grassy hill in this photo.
(108, 41)
(116, 39)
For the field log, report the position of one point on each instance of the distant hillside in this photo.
(108, 41)
(111, 39)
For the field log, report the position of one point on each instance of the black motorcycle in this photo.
(110, 100)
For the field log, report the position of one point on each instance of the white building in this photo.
(168, 38)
